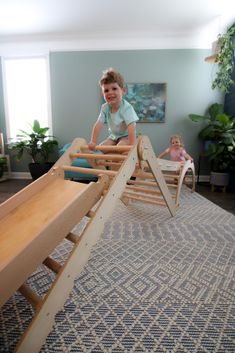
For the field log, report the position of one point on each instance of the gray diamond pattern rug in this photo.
(153, 283)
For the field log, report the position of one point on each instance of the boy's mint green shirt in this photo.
(118, 122)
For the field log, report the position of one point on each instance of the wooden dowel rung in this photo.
(174, 176)
(89, 170)
(132, 197)
(90, 214)
(176, 170)
(144, 195)
(152, 184)
(105, 148)
(105, 191)
(73, 238)
(33, 298)
(142, 182)
(167, 164)
(172, 185)
(113, 157)
(148, 183)
(143, 175)
(146, 175)
(107, 164)
(147, 191)
(151, 190)
(52, 264)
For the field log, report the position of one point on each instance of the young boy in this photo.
(116, 112)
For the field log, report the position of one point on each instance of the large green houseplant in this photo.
(2, 164)
(38, 145)
(226, 61)
(219, 131)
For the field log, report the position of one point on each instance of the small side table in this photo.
(219, 180)
(213, 187)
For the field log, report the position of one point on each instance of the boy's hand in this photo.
(91, 145)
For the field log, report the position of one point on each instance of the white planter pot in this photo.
(219, 179)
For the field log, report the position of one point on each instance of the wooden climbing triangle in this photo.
(38, 218)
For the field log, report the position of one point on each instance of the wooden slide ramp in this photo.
(41, 218)
(33, 223)
(37, 219)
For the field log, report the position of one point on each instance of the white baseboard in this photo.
(203, 178)
(20, 175)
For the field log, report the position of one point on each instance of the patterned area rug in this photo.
(153, 283)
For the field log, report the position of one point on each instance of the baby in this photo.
(176, 150)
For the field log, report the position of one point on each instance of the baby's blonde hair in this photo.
(177, 137)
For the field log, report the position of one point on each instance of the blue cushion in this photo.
(77, 162)
(64, 148)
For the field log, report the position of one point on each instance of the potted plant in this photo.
(2, 164)
(220, 132)
(38, 145)
(225, 60)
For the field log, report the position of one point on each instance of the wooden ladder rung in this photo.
(154, 198)
(143, 175)
(52, 264)
(110, 164)
(89, 170)
(171, 176)
(105, 148)
(144, 190)
(33, 298)
(142, 182)
(175, 186)
(90, 214)
(139, 198)
(113, 157)
(73, 238)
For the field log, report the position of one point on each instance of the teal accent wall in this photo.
(76, 97)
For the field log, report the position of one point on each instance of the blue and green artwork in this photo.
(148, 100)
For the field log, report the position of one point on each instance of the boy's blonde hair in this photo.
(177, 137)
(112, 76)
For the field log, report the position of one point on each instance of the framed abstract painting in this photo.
(148, 100)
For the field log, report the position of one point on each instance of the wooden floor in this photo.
(225, 200)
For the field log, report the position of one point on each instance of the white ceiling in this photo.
(117, 23)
